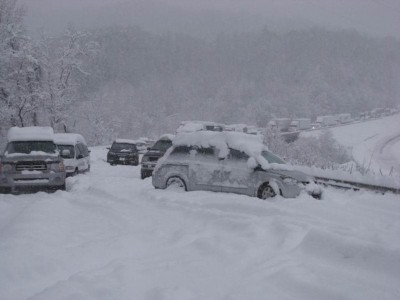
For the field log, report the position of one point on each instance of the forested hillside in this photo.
(124, 81)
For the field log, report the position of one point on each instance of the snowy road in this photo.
(112, 236)
(374, 144)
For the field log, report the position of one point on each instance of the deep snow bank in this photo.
(112, 236)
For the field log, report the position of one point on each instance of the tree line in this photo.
(127, 82)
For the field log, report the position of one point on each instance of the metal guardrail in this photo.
(351, 185)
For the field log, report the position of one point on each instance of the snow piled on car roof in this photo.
(249, 144)
(68, 138)
(20, 134)
(167, 136)
(125, 141)
(252, 145)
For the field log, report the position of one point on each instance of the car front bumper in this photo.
(19, 180)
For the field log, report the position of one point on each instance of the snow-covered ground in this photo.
(374, 144)
(113, 236)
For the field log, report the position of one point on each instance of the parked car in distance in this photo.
(74, 151)
(345, 118)
(153, 154)
(279, 124)
(300, 124)
(124, 152)
(192, 126)
(325, 121)
(229, 162)
(31, 161)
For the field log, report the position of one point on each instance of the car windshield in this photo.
(162, 145)
(26, 147)
(272, 158)
(67, 147)
(123, 147)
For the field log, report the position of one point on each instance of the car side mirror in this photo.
(79, 156)
(65, 153)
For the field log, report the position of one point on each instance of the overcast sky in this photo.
(208, 17)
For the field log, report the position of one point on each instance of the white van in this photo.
(74, 151)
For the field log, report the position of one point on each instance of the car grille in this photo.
(31, 166)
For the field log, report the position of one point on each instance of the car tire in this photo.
(266, 191)
(63, 187)
(76, 172)
(142, 175)
(177, 182)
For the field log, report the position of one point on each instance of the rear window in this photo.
(123, 147)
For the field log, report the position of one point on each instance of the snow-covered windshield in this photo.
(123, 147)
(28, 147)
(67, 147)
(162, 145)
(272, 158)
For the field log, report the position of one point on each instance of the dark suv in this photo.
(123, 152)
(150, 158)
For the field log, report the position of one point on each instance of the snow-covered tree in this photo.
(65, 63)
(20, 71)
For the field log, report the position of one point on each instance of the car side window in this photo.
(181, 150)
(206, 151)
(84, 150)
(237, 155)
(77, 151)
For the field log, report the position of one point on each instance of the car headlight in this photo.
(57, 166)
(6, 167)
(289, 180)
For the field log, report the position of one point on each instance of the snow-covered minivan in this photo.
(31, 160)
(73, 149)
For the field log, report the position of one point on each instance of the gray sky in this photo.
(208, 17)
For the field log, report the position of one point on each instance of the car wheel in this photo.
(142, 175)
(176, 182)
(266, 191)
(76, 172)
(63, 187)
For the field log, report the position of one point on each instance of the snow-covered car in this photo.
(123, 152)
(151, 157)
(229, 162)
(31, 160)
(73, 149)
(192, 126)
